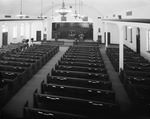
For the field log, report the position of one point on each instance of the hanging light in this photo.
(52, 17)
(63, 11)
(21, 15)
(81, 16)
(76, 15)
(41, 15)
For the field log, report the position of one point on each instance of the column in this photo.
(43, 30)
(30, 29)
(106, 37)
(49, 29)
(1, 34)
(121, 50)
(103, 29)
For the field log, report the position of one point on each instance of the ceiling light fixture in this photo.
(76, 15)
(21, 15)
(63, 11)
(52, 17)
(81, 16)
(41, 16)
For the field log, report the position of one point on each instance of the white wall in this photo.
(143, 35)
(37, 26)
(144, 38)
(137, 13)
(127, 42)
(27, 30)
(114, 33)
(11, 25)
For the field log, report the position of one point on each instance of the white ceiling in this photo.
(33, 7)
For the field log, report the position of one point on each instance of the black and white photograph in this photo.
(74, 59)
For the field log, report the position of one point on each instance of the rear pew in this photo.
(79, 92)
(10, 85)
(83, 107)
(38, 113)
(4, 92)
(135, 75)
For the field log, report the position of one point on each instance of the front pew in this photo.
(75, 106)
(37, 113)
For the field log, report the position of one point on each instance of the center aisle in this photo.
(14, 108)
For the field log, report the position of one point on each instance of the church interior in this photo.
(74, 59)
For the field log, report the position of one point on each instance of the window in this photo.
(15, 32)
(130, 33)
(148, 48)
(22, 30)
(4, 28)
(99, 30)
(126, 33)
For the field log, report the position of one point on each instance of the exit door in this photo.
(108, 37)
(38, 35)
(138, 44)
(5, 38)
(138, 41)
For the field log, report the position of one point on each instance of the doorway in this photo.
(38, 35)
(4, 38)
(138, 41)
(108, 37)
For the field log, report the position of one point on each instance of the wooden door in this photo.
(138, 44)
(38, 35)
(108, 37)
(5, 38)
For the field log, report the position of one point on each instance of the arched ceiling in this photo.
(33, 7)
